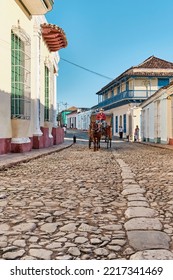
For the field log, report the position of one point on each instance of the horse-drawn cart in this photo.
(99, 131)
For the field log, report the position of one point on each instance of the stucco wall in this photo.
(131, 122)
(5, 114)
(151, 123)
(156, 124)
(164, 128)
(143, 84)
(83, 120)
(29, 26)
(15, 17)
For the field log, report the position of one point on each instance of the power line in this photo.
(86, 69)
(93, 72)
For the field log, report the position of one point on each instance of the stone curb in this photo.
(162, 146)
(34, 155)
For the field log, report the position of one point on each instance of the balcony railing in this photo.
(37, 7)
(127, 95)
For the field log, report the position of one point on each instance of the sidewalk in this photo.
(8, 160)
(157, 145)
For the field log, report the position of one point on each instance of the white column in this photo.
(55, 102)
(36, 84)
(169, 118)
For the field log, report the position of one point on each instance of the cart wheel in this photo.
(107, 141)
(89, 144)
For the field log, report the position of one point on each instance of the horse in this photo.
(95, 135)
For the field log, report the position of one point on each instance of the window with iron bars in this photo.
(20, 79)
(47, 88)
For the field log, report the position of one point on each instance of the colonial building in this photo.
(157, 116)
(77, 118)
(72, 117)
(83, 118)
(123, 95)
(29, 69)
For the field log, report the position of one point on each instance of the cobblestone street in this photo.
(78, 204)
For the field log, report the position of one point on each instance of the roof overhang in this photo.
(37, 7)
(53, 36)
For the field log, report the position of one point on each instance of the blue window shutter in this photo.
(116, 124)
(163, 82)
(124, 123)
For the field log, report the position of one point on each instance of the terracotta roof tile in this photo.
(53, 36)
(149, 67)
(155, 62)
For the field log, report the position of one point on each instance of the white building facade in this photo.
(122, 97)
(29, 69)
(157, 117)
(83, 120)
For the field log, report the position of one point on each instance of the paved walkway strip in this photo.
(143, 228)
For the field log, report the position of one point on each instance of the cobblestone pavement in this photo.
(78, 204)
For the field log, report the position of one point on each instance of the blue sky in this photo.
(107, 37)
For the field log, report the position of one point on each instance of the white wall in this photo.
(128, 109)
(157, 122)
(16, 17)
(83, 120)
(164, 128)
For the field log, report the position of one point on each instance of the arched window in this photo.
(20, 74)
(47, 89)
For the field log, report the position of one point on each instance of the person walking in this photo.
(120, 132)
(136, 134)
(64, 128)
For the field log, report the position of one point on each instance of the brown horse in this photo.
(95, 135)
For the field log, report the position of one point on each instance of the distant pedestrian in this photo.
(120, 132)
(136, 134)
(65, 129)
